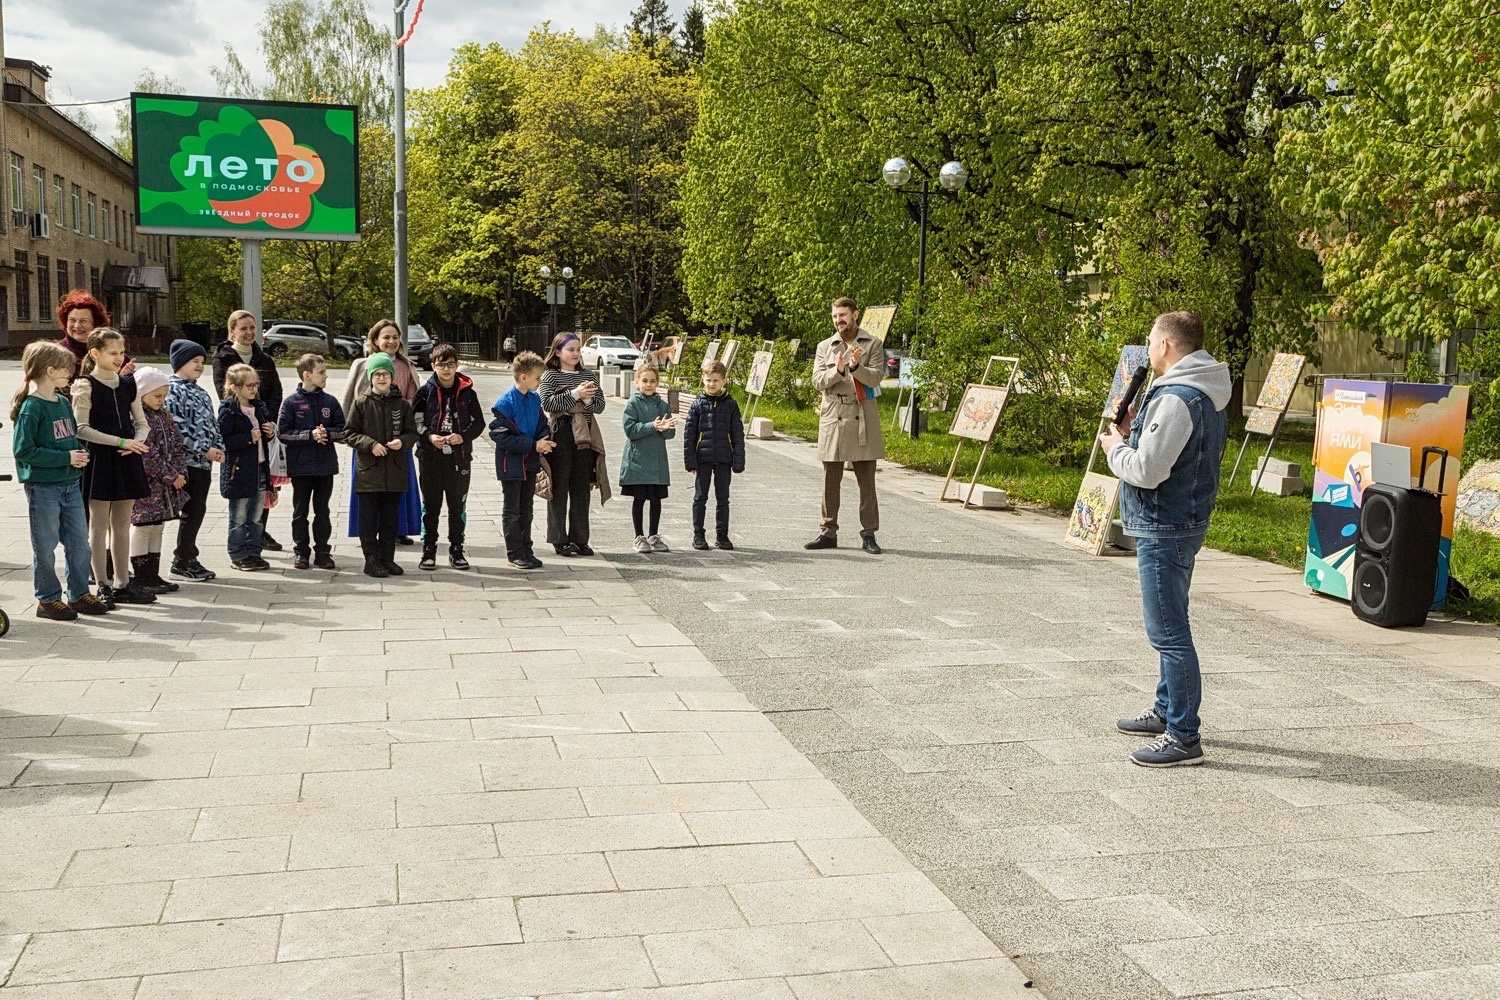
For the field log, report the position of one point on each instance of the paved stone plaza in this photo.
(761, 774)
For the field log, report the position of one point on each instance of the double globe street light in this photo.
(557, 295)
(952, 176)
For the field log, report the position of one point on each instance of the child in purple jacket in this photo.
(166, 475)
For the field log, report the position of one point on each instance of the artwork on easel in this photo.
(979, 412)
(1131, 358)
(1281, 382)
(1270, 409)
(760, 371)
(876, 321)
(1093, 513)
(712, 354)
(730, 350)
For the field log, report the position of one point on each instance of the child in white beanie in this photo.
(166, 475)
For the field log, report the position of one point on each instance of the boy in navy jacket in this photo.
(713, 448)
(311, 421)
(521, 437)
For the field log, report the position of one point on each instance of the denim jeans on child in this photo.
(1166, 571)
(244, 526)
(56, 514)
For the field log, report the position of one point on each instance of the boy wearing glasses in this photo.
(449, 418)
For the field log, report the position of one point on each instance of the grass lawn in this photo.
(1262, 526)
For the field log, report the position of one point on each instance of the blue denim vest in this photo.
(1180, 507)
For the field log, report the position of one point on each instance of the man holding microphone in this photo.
(848, 370)
(1167, 456)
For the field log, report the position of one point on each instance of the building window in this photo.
(130, 232)
(59, 202)
(39, 185)
(93, 216)
(17, 196)
(77, 209)
(23, 286)
(80, 274)
(104, 220)
(63, 283)
(94, 282)
(43, 285)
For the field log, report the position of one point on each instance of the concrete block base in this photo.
(985, 497)
(1278, 485)
(762, 428)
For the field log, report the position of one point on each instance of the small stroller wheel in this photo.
(4, 622)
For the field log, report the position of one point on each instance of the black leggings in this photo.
(638, 508)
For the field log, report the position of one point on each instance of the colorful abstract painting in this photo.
(1093, 512)
(1281, 382)
(1263, 421)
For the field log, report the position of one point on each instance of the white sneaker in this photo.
(657, 545)
(642, 545)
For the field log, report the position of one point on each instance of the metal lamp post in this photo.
(951, 178)
(557, 294)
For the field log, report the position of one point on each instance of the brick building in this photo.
(67, 220)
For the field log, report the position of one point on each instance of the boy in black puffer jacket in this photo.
(713, 444)
(449, 418)
(311, 421)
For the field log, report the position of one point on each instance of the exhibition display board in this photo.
(1270, 409)
(1352, 416)
(1093, 514)
(977, 417)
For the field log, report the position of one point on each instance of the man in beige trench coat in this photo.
(848, 370)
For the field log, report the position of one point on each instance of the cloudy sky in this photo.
(98, 48)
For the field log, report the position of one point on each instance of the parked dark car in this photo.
(419, 346)
(893, 362)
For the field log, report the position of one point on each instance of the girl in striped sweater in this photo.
(570, 399)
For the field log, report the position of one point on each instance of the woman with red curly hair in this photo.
(79, 314)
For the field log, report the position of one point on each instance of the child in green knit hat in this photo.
(380, 427)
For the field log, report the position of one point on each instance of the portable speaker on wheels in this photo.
(1396, 552)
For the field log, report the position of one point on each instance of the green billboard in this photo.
(219, 166)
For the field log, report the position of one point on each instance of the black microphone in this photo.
(1131, 391)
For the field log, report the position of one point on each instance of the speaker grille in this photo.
(1371, 587)
(1377, 522)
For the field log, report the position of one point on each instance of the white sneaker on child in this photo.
(641, 545)
(656, 543)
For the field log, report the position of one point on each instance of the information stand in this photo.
(1270, 410)
(978, 415)
(731, 349)
(712, 354)
(755, 384)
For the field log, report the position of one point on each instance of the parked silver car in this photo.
(294, 340)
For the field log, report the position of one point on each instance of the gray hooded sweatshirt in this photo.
(1167, 425)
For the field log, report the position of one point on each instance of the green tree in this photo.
(693, 37)
(1398, 170)
(651, 25)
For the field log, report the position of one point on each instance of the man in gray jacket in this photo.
(1169, 467)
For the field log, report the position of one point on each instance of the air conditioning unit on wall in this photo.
(41, 227)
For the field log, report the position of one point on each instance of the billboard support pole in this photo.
(250, 278)
(400, 207)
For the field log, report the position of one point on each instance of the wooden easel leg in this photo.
(983, 454)
(951, 467)
(1238, 459)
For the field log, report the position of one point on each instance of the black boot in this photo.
(700, 540)
(153, 580)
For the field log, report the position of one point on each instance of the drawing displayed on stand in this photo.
(1262, 422)
(876, 321)
(979, 412)
(1281, 382)
(760, 370)
(1131, 358)
(730, 350)
(712, 354)
(1093, 513)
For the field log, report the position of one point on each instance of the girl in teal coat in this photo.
(644, 475)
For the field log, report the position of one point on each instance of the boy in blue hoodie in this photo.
(521, 436)
(311, 420)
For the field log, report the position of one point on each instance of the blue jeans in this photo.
(1166, 571)
(244, 526)
(56, 515)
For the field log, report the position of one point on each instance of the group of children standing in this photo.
(108, 458)
(548, 443)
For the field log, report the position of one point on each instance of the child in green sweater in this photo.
(49, 460)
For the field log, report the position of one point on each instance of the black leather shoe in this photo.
(269, 544)
(566, 549)
(823, 542)
(405, 540)
(869, 545)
